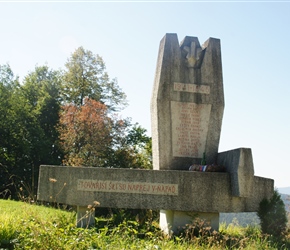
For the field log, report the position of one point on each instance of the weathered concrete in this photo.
(186, 113)
(85, 217)
(187, 103)
(148, 189)
(174, 221)
(239, 163)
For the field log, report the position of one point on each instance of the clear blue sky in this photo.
(255, 54)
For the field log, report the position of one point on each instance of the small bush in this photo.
(273, 216)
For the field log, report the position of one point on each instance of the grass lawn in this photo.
(25, 226)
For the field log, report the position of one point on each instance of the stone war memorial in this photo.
(190, 177)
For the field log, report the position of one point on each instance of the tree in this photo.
(86, 77)
(6, 87)
(92, 138)
(28, 115)
(88, 131)
(41, 89)
(133, 149)
(272, 215)
(19, 134)
(85, 133)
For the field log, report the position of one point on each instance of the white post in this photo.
(174, 221)
(85, 217)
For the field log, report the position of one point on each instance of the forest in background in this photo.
(64, 117)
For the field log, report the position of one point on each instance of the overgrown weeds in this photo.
(233, 236)
(26, 226)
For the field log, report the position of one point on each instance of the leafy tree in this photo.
(85, 133)
(28, 137)
(134, 148)
(19, 135)
(41, 89)
(92, 138)
(9, 142)
(272, 215)
(7, 77)
(86, 76)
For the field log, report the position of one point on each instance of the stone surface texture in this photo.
(85, 218)
(239, 163)
(178, 220)
(187, 102)
(197, 191)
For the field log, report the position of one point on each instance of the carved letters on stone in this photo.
(127, 187)
(193, 88)
(189, 128)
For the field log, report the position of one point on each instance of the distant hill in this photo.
(241, 219)
(286, 199)
(284, 190)
(244, 219)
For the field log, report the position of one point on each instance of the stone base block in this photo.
(239, 163)
(150, 189)
(85, 218)
(171, 222)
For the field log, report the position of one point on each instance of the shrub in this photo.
(273, 216)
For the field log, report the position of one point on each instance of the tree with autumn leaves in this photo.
(90, 137)
(85, 133)
(91, 132)
(65, 117)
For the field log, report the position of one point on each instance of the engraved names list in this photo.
(189, 128)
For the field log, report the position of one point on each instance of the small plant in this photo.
(199, 228)
(273, 216)
(203, 161)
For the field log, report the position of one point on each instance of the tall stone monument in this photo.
(187, 108)
(187, 103)
(186, 115)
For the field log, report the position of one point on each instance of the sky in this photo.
(255, 49)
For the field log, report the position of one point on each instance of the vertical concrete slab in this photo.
(167, 72)
(186, 109)
(172, 222)
(187, 103)
(239, 163)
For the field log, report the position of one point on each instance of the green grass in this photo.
(25, 226)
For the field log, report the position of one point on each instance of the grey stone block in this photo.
(187, 103)
(239, 163)
(148, 189)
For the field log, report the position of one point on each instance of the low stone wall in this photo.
(148, 189)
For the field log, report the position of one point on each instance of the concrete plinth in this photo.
(186, 108)
(85, 217)
(172, 222)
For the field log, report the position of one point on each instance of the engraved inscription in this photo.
(127, 187)
(189, 128)
(190, 87)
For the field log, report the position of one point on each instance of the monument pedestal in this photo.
(85, 217)
(187, 109)
(175, 221)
